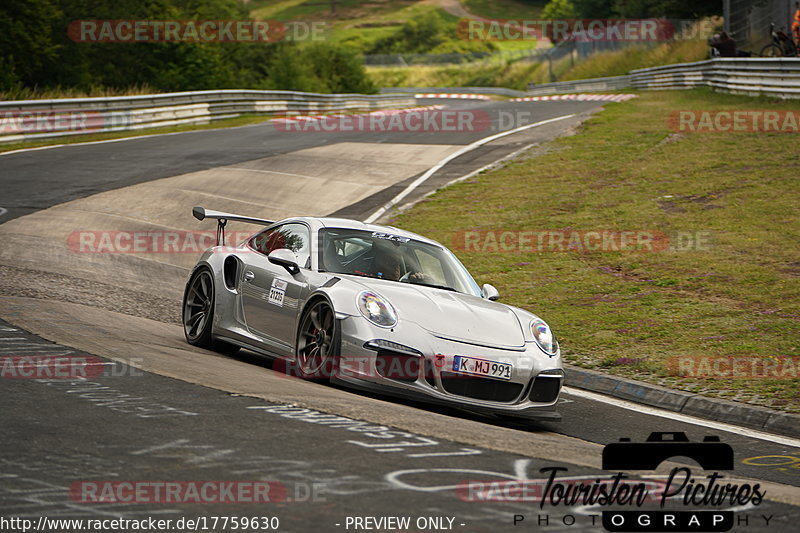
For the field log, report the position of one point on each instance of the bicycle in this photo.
(781, 46)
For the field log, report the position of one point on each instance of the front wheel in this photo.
(198, 313)
(318, 342)
(771, 50)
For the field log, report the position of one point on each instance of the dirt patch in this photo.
(48, 286)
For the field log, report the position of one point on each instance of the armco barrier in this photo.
(500, 91)
(776, 77)
(580, 86)
(33, 119)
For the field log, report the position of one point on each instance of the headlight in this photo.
(376, 309)
(544, 337)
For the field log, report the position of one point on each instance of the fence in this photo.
(775, 77)
(32, 119)
(748, 21)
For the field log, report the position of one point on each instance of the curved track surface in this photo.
(161, 410)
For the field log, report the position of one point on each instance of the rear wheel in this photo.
(198, 313)
(771, 50)
(318, 342)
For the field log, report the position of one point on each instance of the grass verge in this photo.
(631, 313)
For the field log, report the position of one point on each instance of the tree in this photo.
(559, 9)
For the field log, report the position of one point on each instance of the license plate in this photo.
(482, 367)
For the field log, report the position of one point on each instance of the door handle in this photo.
(249, 276)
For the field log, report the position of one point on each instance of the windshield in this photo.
(392, 257)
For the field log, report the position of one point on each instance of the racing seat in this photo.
(330, 259)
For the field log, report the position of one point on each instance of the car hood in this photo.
(453, 315)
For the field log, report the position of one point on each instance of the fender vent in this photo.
(230, 272)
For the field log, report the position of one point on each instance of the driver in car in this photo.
(390, 266)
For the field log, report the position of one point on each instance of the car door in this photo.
(270, 294)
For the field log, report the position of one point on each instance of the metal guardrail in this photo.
(580, 86)
(776, 77)
(34, 119)
(501, 91)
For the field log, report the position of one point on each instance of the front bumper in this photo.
(410, 362)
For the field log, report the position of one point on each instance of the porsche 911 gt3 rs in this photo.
(375, 308)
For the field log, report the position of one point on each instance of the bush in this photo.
(428, 33)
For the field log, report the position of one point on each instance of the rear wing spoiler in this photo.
(201, 213)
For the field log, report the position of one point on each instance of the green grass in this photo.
(36, 93)
(505, 9)
(490, 74)
(517, 75)
(628, 313)
(286, 10)
(623, 61)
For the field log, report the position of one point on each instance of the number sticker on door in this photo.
(277, 291)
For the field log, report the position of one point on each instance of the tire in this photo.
(318, 344)
(771, 50)
(198, 313)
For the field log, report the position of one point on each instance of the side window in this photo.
(295, 237)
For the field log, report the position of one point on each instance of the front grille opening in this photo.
(545, 390)
(480, 388)
(398, 366)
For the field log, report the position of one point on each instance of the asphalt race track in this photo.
(330, 458)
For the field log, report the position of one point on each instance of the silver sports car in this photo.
(375, 308)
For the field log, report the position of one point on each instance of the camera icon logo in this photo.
(711, 454)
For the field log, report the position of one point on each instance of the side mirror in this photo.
(285, 258)
(489, 292)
